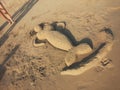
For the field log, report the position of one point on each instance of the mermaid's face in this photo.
(37, 29)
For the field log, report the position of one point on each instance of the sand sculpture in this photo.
(47, 32)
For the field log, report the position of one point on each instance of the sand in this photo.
(24, 67)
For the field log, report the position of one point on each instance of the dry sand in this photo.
(24, 67)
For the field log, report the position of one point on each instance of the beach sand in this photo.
(25, 67)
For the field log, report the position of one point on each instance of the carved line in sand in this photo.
(54, 36)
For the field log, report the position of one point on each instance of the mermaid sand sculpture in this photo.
(52, 33)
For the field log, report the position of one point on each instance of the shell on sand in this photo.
(82, 50)
(56, 39)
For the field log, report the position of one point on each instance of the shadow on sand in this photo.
(2, 66)
(67, 33)
(95, 52)
(18, 15)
